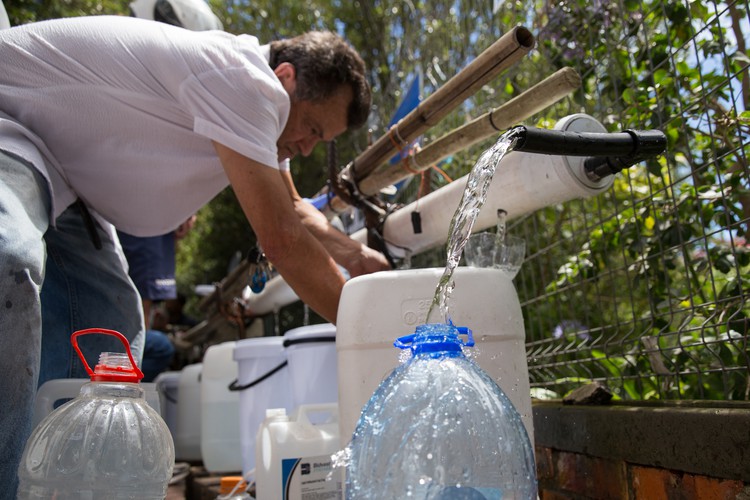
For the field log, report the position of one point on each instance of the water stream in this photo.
(474, 196)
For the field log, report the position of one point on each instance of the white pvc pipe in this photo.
(522, 184)
(275, 295)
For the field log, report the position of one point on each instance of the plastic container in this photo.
(167, 387)
(311, 352)
(263, 383)
(106, 443)
(220, 411)
(293, 454)
(53, 393)
(233, 488)
(438, 427)
(377, 307)
(188, 430)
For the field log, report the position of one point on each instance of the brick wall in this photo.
(564, 475)
(678, 450)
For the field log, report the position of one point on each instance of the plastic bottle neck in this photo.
(434, 340)
(114, 367)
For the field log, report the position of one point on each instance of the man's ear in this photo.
(287, 75)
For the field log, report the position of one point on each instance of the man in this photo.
(116, 121)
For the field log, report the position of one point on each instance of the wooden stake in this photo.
(540, 96)
(501, 55)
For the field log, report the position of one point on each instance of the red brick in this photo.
(590, 476)
(545, 468)
(707, 488)
(553, 495)
(650, 483)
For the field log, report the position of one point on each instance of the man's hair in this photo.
(324, 62)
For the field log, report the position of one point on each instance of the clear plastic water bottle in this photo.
(440, 428)
(107, 443)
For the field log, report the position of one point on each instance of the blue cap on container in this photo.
(436, 338)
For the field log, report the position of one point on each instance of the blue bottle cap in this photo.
(436, 338)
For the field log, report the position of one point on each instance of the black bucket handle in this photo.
(288, 342)
(234, 387)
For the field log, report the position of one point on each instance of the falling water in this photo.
(463, 220)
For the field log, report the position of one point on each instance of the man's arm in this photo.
(352, 255)
(299, 257)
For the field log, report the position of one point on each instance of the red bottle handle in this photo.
(128, 375)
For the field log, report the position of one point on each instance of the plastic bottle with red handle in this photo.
(107, 443)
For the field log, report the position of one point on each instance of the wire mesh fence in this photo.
(646, 288)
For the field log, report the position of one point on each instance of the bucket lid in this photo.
(325, 332)
(259, 347)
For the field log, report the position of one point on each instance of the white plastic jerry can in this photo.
(294, 455)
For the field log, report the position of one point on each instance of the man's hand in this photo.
(363, 260)
(184, 228)
(352, 255)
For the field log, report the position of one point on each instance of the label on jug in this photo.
(310, 478)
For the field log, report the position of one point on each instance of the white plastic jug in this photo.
(311, 352)
(377, 307)
(105, 443)
(167, 385)
(188, 432)
(220, 411)
(262, 383)
(293, 454)
(55, 392)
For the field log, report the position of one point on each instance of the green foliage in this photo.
(664, 259)
(645, 286)
(27, 11)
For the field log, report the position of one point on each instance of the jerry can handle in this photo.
(120, 337)
(406, 341)
(465, 330)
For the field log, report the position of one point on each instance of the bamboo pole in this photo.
(501, 55)
(540, 96)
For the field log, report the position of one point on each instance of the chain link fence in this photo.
(646, 287)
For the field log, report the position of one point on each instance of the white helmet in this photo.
(4, 21)
(194, 15)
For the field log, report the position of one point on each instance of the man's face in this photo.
(310, 123)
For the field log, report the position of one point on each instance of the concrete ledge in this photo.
(710, 438)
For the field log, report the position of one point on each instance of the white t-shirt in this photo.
(124, 110)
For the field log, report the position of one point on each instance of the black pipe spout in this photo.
(608, 153)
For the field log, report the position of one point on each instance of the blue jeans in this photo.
(157, 354)
(52, 283)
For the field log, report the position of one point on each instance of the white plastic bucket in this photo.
(56, 392)
(262, 383)
(293, 454)
(220, 411)
(187, 443)
(311, 352)
(167, 385)
(377, 308)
